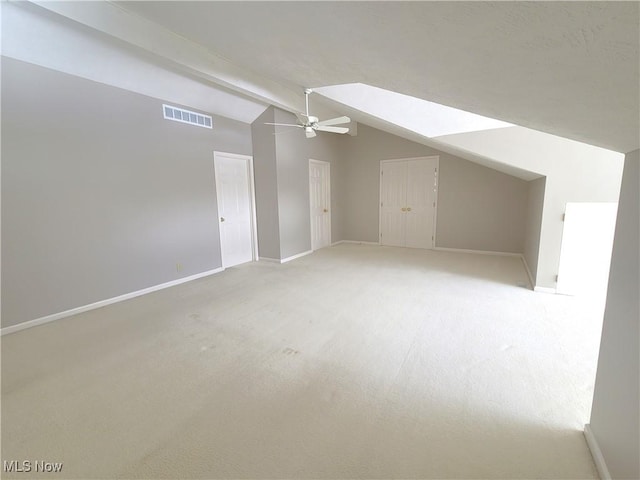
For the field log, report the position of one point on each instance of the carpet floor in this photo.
(357, 361)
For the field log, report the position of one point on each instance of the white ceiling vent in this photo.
(186, 116)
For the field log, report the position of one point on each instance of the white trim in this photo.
(435, 199)
(544, 289)
(358, 242)
(254, 217)
(252, 200)
(271, 260)
(293, 257)
(499, 254)
(104, 303)
(479, 252)
(285, 260)
(596, 453)
(532, 283)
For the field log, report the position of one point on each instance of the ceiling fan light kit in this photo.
(312, 124)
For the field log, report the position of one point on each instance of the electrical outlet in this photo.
(178, 267)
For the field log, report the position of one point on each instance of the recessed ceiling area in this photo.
(565, 68)
(423, 117)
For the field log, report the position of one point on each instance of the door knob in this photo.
(403, 209)
(325, 210)
(408, 209)
(222, 219)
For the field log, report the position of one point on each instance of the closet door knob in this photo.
(403, 209)
(408, 209)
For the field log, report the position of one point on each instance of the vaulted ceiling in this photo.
(566, 68)
(570, 69)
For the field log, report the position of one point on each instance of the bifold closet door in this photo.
(392, 203)
(421, 185)
(408, 202)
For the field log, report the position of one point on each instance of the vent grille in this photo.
(185, 116)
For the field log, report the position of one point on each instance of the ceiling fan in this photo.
(312, 124)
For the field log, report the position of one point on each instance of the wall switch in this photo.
(178, 267)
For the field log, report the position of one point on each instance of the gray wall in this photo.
(615, 418)
(478, 208)
(100, 195)
(266, 186)
(576, 172)
(281, 165)
(293, 187)
(535, 206)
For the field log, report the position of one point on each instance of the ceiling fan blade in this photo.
(285, 124)
(334, 121)
(310, 132)
(322, 128)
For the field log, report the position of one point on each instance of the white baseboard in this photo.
(479, 252)
(596, 453)
(355, 242)
(544, 289)
(293, 257)
(285, 260)
(501, 254)
(532, 282)
(103, 303)
(267, 259)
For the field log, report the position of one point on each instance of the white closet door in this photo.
(393, 203)
(421, 178)
(408, 190)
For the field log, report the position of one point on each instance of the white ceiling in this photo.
(425, 118)
(566, 68)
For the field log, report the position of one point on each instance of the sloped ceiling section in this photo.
(176, 52)
(565, 68)
(65, 45)
(504, 165)
(425, 118)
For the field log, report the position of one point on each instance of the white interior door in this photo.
(587, 243)
(234, 192)
(393, 203)
(408, 191)
(320, 201)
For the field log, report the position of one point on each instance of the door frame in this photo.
(328, 167)
(251, 189)
(437, 185)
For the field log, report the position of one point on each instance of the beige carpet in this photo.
(356, 361)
